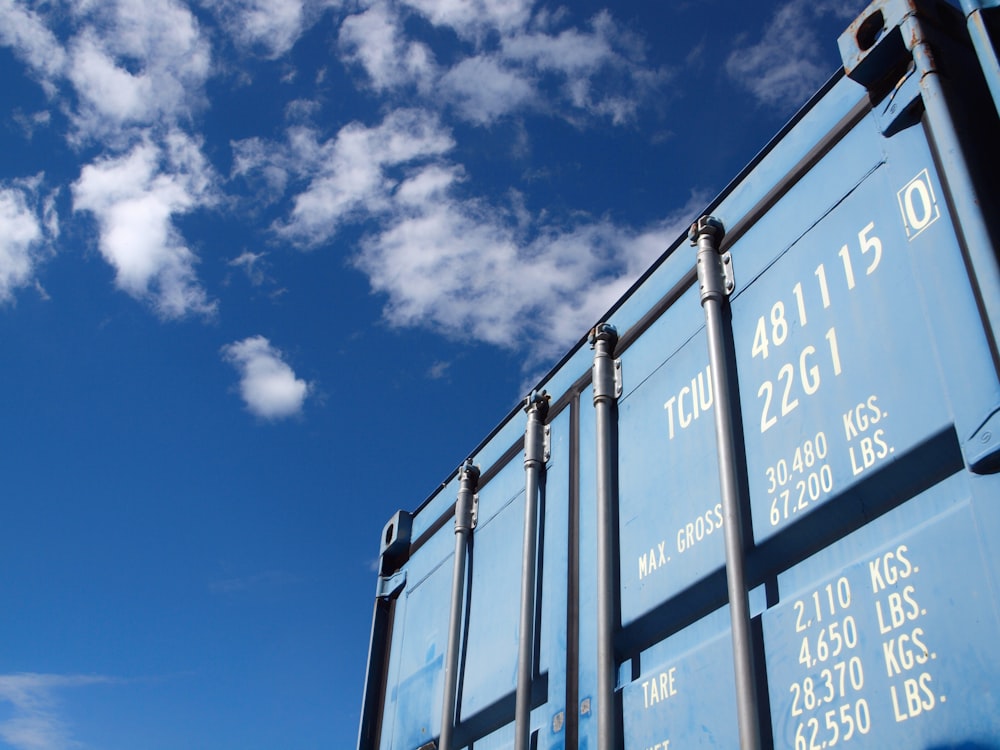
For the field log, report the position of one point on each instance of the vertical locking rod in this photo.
(706, 234)
(537, 408)
(896, 35)
(953, 163)
(468, 481)
(982, 42)
(603, 340)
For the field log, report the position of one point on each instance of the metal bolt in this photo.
(706, 224)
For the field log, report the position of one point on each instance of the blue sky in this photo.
(269, 270)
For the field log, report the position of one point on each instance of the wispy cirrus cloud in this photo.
(783, 67)
(25, 31)
(599, 71)
(489, 272)
(252, 582)
(133, 71)
(483, 89)
(268, 385)
(473, 20)
(35, 721)
(113, 66)
(347, 176)
(28, 226)
(518, 61)
(466, 267)
(272, 26)
(131, 77)
(269, 28)
(253, 265)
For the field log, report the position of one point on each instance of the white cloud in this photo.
(270, 28)
(474, 19)
(34, 722)
(134, 199)
(600, 71)
(253, 265)
(302, 110)
(570, 51)
(27, 226)
(374, 39)
(255, 158)
(483, 90)
(351, 177)
(107, 90)
(128, 71)
(268, 385)
(29, 124)
(129, 62)
(25, 31)
(515, 65)
(138, 62)
(784, 67)
(464, 267)
(271, 25)
(438, 370)
(468, 270)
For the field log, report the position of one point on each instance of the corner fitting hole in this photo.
(389, 532)
(870, 31)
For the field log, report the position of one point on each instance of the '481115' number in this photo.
(802, 373)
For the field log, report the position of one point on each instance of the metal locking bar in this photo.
(717, 283)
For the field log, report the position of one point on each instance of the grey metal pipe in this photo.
(537, 407)
(954, 167)
(603, 340)
(706, 234)
(983, 44)
(468, 481)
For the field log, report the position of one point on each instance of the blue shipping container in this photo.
(760, 505)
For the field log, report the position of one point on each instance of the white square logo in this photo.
(918, 204)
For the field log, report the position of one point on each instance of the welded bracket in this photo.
(715, 269)
(536, 406)
(467, 504)
(603, 338)
(389, 586)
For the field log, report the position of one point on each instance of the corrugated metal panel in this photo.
(860, 340)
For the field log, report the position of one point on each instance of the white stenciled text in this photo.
(693, 400)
